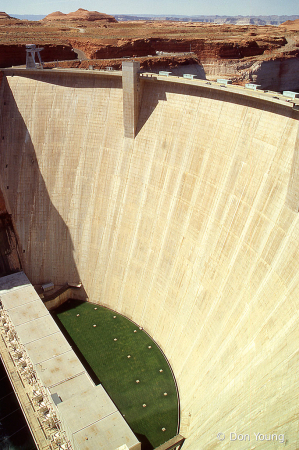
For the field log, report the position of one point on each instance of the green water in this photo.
(14, 432)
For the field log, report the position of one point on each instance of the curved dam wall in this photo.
(190, 229)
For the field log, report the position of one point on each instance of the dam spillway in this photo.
(190, 229)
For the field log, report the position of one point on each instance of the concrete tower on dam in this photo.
(183, 217)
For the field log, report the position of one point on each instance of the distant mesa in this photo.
(80, 14)
(291, 24)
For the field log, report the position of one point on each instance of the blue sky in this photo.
(185, 7)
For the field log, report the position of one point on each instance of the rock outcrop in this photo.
(4, 16)
(277, 75)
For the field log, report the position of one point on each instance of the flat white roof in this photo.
(109, 439)
(59, 368)
(36, 329)
(46, 348)
(67, 388)
(28, 312)
(92, 414)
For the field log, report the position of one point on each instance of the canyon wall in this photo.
(190, 229)
(278, 75)
(202, 47)
(235, 59)
(15, 55)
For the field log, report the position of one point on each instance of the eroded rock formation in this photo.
(80, 14)
(267, 55)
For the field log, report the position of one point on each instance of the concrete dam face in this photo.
(190, 229)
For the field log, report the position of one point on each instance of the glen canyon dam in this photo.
(174, 202)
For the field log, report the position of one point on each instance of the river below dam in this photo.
(14, 432)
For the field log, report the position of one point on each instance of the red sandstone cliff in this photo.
(267, 55)
(14, 55)
(203, 48)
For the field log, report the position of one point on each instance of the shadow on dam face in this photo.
(190, 229)
(44, 239)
